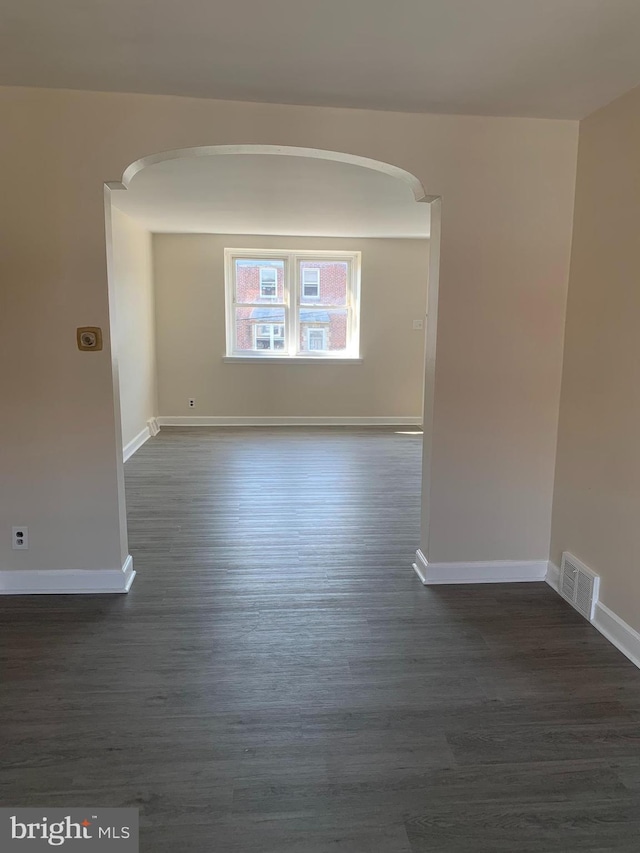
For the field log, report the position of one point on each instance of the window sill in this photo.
(286, 359)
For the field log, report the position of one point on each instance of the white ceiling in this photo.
(267, 194)
(548, 58)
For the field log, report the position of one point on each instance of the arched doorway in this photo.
(405, 182)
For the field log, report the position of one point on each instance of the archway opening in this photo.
(267, 286)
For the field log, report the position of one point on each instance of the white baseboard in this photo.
(617, 631)
(625, 638)
(233, 420)
(67, 581)
(491, 571)
(553, 576)
(136, 443)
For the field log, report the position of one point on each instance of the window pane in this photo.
(324, 282)
(259, 280)
(323, 330)
(260, 330)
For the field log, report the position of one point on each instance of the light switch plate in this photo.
(418, 325)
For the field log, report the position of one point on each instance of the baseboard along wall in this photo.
(68, 581)
(136, 443)
(152, 428)
(241, 420)
(493, 571)
(625, 638)
(154, 424)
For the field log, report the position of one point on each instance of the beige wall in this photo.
(191, 335)
(134, 324)
(507, 188)
(596, 508)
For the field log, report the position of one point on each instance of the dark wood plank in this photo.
(579, 824)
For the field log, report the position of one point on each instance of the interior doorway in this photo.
(266, 286)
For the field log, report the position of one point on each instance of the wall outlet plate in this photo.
(20, 537)
(89, 338)
(418, 324)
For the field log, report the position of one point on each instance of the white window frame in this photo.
(291, 303)
(269, 284)
(304, 284)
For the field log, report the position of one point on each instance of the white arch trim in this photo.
(279, 150)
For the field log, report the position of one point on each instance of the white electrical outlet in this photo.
(418, 324)
(192, 403)
(20, 535)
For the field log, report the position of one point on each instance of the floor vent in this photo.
(579, 585)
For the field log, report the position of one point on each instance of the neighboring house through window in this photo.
(269, 336)
(311, 282)
(268, 282)
(316, 339)
(292, 304)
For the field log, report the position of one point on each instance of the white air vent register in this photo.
(579, 585)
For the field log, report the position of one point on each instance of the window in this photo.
(269, 336)
(284, 305)
(316, 339)
(311, 283)
(268, 277)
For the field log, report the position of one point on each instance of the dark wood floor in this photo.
(278, 681)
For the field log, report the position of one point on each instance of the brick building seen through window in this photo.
(320, 291)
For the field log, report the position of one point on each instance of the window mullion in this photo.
(292, 325)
